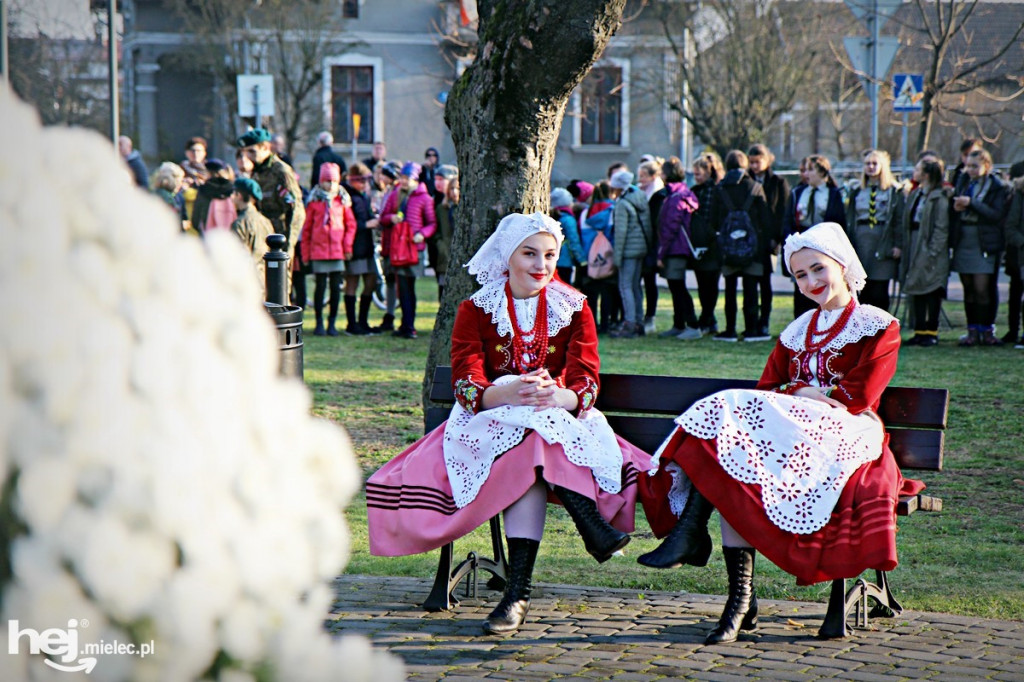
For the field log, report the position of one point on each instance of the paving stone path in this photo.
(577, 633)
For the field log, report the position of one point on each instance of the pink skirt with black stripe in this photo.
(409, 501)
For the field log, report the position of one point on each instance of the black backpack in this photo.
(737, 238)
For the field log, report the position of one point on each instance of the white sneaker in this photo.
(649, 326)
(689, 334)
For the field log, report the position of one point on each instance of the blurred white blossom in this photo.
(161, 482)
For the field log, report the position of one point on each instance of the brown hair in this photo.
(933, 170)
(822, 165)
(736, 160)
(602, 190)
(358, 169)
(762, 150)
(672, 170)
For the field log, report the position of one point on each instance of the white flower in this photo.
(170, 484)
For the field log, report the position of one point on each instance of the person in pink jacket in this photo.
(413, 204)
(327, 238)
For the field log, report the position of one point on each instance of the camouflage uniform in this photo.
(253, 228)
(282, 201)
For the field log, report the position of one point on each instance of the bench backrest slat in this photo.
(640, 408)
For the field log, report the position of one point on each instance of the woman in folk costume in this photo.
(523, 430)
(799, 468)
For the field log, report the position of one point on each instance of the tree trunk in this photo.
(505, 113)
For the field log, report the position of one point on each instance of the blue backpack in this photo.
(737, 238)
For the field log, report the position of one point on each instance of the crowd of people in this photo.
(728, 227)
(623, 231)
(373, 222)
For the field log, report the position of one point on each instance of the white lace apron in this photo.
(473, 442)
(801, 451)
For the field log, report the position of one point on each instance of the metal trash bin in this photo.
(288, 320)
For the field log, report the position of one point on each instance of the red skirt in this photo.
(860, 535)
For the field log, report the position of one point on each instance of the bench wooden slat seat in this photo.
(640, 408)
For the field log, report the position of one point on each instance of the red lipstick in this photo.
(538, 276)
(819, 290)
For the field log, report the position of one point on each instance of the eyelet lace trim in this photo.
(867, 320)
(473, 442)
(563, 303)
(800, 451)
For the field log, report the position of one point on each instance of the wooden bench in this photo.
(640, 408)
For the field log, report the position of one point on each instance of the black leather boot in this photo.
(741, 608)
(511, 610)
(365, 301)
(600, 538)
(319, 331)
(332, 315)
(689, 542)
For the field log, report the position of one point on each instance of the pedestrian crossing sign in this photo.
(907, 92)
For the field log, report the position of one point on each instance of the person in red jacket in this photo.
(327, 237)
(410, 203)
(799, 468)
(525, 371)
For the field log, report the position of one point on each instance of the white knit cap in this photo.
(490, 262)
(831, 240)
(621, 179)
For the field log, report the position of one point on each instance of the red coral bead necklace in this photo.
(533, 354)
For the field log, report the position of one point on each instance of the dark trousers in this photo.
(1013, 315)
(751, 305)
(407, 299)
(926, 311)
(603, 294)
(683, 313)
(767, 295)
(876, 293)
(707, 293)
(650, 279)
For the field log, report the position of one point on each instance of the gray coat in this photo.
(924, 266)
(632, 221)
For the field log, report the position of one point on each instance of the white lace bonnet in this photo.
(490, 262)
(831, 240)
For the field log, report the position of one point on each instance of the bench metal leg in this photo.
(440, 597)
(499, 571)
(841, 603)
(446, 580)
(834, 625)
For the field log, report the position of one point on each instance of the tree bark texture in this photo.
(505, 113)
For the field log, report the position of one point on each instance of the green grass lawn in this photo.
(967, 559)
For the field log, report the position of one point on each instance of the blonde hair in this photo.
(885, 176)
(712, 164)
(168, 176)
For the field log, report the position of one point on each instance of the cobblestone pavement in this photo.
(576, 633)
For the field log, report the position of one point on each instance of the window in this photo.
(601, 96)
(352, 93)
(350, 9)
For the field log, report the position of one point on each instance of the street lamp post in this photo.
(112, 67)
(4, 65)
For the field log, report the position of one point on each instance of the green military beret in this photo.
(249, 187)
(254, 136)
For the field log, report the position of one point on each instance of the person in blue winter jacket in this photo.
(572, 254)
